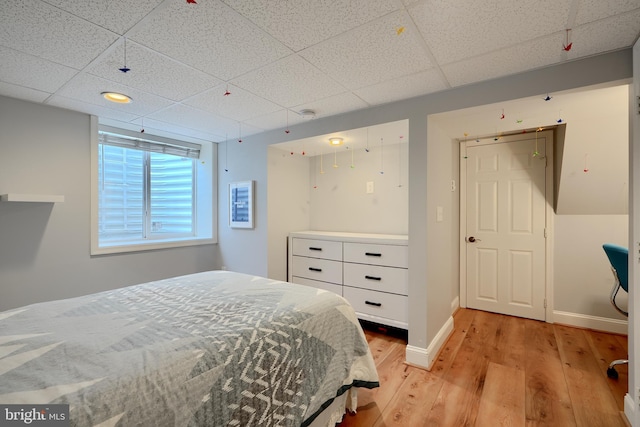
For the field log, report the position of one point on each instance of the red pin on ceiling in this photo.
(567, 46)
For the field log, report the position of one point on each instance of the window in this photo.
(151, 192)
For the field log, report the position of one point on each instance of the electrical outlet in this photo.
(370, 187)
(453, 185)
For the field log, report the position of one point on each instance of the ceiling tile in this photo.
(19, 92)
(349, 54)
(87, 88)
(152, 72)
(115, 15)
(203, 121)
(160, 128)
(592, 10)
(389, 134)
(303, 23)
(410, 86)
(211, 37)
(515, 59)
(42, 30)
(372, 53)
(290, 81)
(86, 107)
(460, 29)
(277, 120)
(239, 105)
(32, 72)
(333, 105)
(605, 34)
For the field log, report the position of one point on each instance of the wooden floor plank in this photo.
(606, 348)
(592, 402)
(381, 347)
(546, 394)
(392, 372)
(481, 367)
(502, 402)
(509, 342)
(415, 396)
(459, 399)
(462, 322)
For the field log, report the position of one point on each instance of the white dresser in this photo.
(369, 270)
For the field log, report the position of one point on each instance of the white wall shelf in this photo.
(33, 198)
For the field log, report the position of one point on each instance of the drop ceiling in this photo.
(277, 58)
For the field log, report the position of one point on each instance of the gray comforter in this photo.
(207, 349)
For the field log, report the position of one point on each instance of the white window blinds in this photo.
(146, 189)
(157, 145)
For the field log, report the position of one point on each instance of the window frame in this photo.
(205, 200)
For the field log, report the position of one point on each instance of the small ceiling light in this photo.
(336, 141)
(308, 114)
(120, 98)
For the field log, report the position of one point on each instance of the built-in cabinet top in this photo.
(385, 239)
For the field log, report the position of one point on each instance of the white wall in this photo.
(288, 205)
(582, 273)
(44, 248)
(443, 165)
(303, 198)
(243, 250)
(339, 201)
(597, 139)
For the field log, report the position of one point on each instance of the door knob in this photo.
(472, 239)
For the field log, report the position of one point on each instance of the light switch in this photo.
(370, 187)
(439, 214)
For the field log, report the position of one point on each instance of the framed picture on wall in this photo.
(241, 204)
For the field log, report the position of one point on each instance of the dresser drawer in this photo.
(317, 269)
(332, 287)
(317, 248)
(376, 278)
(378, 304)
(389, 255)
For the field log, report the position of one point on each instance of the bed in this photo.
(216, 348)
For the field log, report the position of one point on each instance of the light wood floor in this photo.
(498, 370)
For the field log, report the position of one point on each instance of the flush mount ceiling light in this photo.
(119, 98)
(308, 114)
(336, 141)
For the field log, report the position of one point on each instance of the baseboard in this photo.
(605, 324)
(455, 304)
(629, 409)
(424, 357)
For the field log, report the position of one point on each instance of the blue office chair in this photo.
(619, 260)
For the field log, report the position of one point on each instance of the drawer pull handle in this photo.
(373, 278)
(311, 248)
(376, 304)
(315, 269)
(372, 254)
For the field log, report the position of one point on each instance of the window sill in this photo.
(150, 246)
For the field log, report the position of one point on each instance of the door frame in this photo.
(550, 135)
(632, 398)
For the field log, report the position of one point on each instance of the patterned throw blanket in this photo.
(207, 349)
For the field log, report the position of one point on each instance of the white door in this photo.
(505, 225)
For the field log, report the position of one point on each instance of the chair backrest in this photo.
(619, 259)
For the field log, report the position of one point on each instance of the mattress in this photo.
(208, 349)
